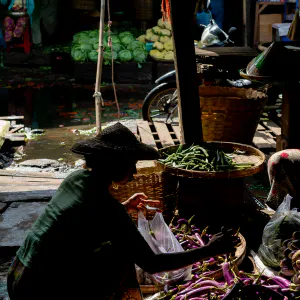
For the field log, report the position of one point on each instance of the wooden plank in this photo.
(26, 188)
(273, 127)
(177, 131)
(16, 128)
(261, 142)
(260, 128)
(18, 173)
(15, 138)
(10, 118)
(30, 181)
(268, 137)
(27, 195)
(164, 134)
(145, 133)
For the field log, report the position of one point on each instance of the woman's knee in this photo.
(8, 23)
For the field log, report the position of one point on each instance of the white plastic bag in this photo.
(161, 240)
(280, 228)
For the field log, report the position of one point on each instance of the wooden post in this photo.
(97, 95)
(245, 27)
(186, 71)
(290, 116)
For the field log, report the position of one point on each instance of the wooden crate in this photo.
(159, 134)
(265, 26)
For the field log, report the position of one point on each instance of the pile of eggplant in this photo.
(235, 284)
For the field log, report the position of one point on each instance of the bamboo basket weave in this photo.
(230, 114)
(157, 186)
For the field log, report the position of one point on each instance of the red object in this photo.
(284, 155)
(25, 41)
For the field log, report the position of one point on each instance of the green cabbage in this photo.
(127, 39)
(94, 34)
(93, 40)
(125, 55)
(93, 55)
(107, 55)
(86, 47)
(77, 54)
(139, 56)
(136, 45)
(115, 39)
(117, 47)
(80, 36)
(96, 46)
(125, 33)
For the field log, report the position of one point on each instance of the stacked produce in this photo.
(125, 47)
(161, 36)
(235, 284)
(200, 159)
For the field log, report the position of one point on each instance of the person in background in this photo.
(217, 10)
(17, 18)
(284, 177)
(85, 244)
(44, 15)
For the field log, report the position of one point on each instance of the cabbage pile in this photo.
(125, 47)
(161, 37)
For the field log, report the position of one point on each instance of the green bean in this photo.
(199, 158)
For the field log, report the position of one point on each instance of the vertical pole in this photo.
(97, 95)
(186, 71)
(245, 27)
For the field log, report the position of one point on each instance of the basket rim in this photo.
(215, 174)
(243, 74)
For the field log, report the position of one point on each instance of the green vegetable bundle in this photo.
(198, 158)
(125, 47)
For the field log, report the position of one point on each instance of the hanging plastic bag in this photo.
(161, 240)
(283, 223)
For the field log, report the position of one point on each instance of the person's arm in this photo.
(133, 245)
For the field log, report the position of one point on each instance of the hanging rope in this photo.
(110, 44)
(166, 10)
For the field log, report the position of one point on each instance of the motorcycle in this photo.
(161, 103)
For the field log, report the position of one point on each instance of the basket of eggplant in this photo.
(211, 160)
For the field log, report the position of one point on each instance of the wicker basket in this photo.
(157, 186)
(230, 114)
(252, 155)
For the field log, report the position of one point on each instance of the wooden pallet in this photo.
(160, 135)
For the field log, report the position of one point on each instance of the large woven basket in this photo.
(157, 186)
(230, 114)
(252, 155)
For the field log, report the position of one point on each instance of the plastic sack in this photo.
(283, 223)
(161, 240)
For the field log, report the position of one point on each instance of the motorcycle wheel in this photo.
(160, 102)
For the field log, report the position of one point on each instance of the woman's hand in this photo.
(139, 201)
(223, 242)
